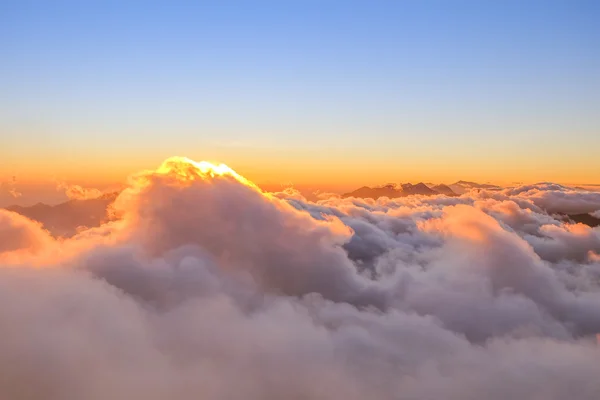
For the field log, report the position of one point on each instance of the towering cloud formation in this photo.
(205, 286)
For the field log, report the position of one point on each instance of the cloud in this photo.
(14, 193)
(11, 188)
(21, 238)
(76, 192)
(206, 285)
(557, 198)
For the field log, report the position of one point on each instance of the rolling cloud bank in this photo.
(204, 285)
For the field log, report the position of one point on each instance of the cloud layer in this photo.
(205, 286)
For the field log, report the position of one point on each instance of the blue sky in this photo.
(465, 89)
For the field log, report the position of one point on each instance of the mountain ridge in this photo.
(65, 219)
(402, 190)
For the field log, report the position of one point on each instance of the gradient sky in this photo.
(308, 92)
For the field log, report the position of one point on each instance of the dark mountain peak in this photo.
(419, 188)
(586, 219)
(422, 186)
(444, 189)
(366, 192)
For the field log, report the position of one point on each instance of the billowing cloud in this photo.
(20, 236)
(206, 286)
(557, 198)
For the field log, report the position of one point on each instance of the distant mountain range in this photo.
(65, 219)
(444, 189)
(408, 189)
(392, 191)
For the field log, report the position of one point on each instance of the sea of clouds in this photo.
(206, 287)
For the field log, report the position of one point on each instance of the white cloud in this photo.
(209, 287)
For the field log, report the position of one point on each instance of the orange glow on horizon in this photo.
(338, 173)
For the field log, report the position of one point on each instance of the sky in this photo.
(339, 93)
